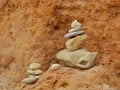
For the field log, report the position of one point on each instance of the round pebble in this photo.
(35, 66)
(30, 80)
(55, 66)
(73, 34)
(75, 23)
(34, 72)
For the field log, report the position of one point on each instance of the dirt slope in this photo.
(33, 30)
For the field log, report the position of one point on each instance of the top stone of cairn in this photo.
(75, 23)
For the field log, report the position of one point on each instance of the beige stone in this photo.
(88, 60)
(54, 66)
(30, 80)
(108, 87)
(75, 43)
(80, 58)
(75, 23)
(34, 72)
(35, 66)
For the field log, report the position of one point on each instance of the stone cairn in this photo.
(75, 55)
(33, 72)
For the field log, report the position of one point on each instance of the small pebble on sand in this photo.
(55, 66)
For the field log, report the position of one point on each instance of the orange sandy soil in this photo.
(33, 31)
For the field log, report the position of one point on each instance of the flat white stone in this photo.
(75, 23)
(72, 34)
(55, 66)
(34, 66)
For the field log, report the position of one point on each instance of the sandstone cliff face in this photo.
(33, 30)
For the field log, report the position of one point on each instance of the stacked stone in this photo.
(75, 55)
(75, 36)
(33, 72)
(75, 29)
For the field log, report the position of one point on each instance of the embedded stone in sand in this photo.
(35, 66)
(108, 87)
(75, 43)
(34, 72)
(30, 80)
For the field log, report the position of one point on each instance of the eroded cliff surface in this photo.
(33, 30)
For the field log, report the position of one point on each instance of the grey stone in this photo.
(73, 34)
